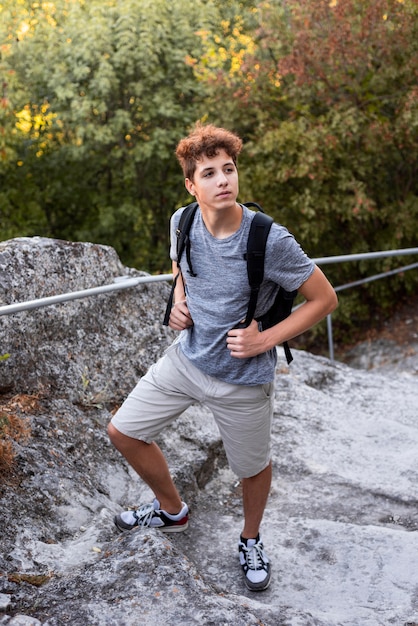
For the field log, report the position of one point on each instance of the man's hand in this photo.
(180, 317)
(321, 300)
(244, 343)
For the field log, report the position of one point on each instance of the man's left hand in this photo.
(244, 343)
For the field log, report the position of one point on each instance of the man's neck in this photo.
(222, 223)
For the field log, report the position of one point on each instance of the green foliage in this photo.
(328, 103)
(97, 114)
(95, 96)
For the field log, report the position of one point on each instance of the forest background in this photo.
(95, 95)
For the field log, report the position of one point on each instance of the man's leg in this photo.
(254, 562)
(149, 462)
(255, 491)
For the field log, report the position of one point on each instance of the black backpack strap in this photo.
(255, 205)
(288, 354)
(256, 247)
(170, 301)
(183, 241)
(182, 232)
(280, 309)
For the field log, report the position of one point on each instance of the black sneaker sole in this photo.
(175, 528)
(262, 586)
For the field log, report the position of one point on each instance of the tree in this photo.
(98, 112)
(327, 101)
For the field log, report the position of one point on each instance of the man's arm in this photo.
(321, 300)
(179, 316)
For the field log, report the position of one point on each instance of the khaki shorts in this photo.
(242, 413)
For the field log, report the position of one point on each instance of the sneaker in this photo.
(151, 516)
(254, 563)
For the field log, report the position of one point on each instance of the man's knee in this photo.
(115, 436)
(123, 442)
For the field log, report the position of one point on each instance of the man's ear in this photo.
(189, 186)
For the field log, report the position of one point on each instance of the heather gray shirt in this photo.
(218, 295)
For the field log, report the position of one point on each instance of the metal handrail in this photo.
(123, 282)
(357, 283)
(365, 255)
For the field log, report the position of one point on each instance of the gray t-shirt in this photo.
(218, 295)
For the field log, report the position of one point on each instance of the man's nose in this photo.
(222, 179)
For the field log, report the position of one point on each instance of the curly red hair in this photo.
(206, 140)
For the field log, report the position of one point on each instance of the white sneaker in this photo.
(151, 516)
(254, 563)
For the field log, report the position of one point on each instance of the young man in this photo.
(230, 370)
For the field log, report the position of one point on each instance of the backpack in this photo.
(256, 244)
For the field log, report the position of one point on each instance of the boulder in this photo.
(60, 349)
(340, 525)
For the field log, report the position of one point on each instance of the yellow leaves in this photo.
(225, 51)
(24, 123)
(203, 34)
(236, 63)
(189, 60)
(34, 16)
(33, 123)
(50, 20)
(23, 29)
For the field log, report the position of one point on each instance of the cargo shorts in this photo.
(243, 413)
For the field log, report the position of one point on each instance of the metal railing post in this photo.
(330, 338)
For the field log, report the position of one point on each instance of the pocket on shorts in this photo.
(267, 389)
(173, 346)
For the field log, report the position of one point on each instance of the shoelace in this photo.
(144, 515)
(255, 556)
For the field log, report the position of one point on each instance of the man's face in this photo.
(215, 182)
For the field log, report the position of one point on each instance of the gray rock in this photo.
(341, 522)
(89, 350)
(23, 620)
(386, 355)
(4, 601)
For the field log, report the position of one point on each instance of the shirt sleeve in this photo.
(174, 221)
(286, 263)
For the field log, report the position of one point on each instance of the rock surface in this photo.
(341, 522)
(90, 349)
